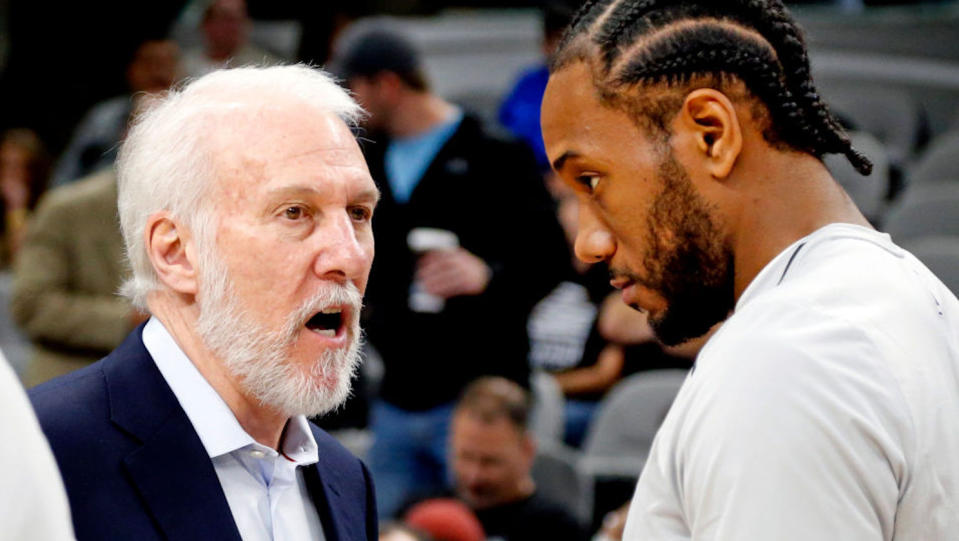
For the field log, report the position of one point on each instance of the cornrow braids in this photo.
(583, 19)
(620, 29)
(673, 42)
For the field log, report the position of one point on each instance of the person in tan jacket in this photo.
(66, 279)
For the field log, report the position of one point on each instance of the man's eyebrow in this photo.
(559, 162)
(372, 194)
(369, 195)
(295, 190)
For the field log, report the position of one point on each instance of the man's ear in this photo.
(388, 84)
(171, 252)
(710, 118)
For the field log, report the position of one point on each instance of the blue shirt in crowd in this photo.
(408, 158)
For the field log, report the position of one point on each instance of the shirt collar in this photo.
(775, 271)
(212, 419)
(298, 443)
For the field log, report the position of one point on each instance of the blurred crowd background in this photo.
(72, 75)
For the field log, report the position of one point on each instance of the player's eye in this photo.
(589, 181)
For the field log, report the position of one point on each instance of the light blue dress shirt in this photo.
(266, 490)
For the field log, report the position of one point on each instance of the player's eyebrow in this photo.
(559, 162)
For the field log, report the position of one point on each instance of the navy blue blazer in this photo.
(134, 467)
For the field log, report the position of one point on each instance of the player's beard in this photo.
(694, 270)
(258, 357)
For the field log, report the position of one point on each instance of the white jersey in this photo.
(33, 502)
(826, 407)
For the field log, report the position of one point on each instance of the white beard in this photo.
(256, 355)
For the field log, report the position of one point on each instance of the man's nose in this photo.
(470, 475)
(344, 252)
(594, 243)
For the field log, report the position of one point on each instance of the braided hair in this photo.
(628, 43)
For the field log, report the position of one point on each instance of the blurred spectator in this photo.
(66, 278)
(153, 68)
(33, 502)
(226, 28)
(24, 171)
(613, 524)
(394, 531)
(588, 339)
(64, 57)
(621, 342)
(519, 112)
(492, 455)
(445, 519)
(492, 249)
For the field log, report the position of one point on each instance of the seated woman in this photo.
(24, 171)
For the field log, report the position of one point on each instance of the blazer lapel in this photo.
(325, 498)
(342, 520)
(171, 470)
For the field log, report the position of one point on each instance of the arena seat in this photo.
(938, 162)
(925, 209)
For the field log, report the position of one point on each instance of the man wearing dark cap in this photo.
(466, 245)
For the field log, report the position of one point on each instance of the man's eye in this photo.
(294, 212)
(361, 214)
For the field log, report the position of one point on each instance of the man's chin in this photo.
(311, 403)
(477, 501)
(297, 391)
(672, 330)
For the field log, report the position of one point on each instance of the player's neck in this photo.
(790, 197)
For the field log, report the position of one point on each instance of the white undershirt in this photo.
(265, 489)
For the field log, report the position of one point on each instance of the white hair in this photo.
(166, 162)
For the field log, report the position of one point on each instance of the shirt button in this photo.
(256, 453)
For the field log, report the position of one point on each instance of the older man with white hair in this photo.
(246, 208)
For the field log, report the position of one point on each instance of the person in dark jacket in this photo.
(467, 243)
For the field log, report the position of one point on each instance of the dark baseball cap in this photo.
(370, 46)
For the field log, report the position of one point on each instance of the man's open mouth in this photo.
(327, 322)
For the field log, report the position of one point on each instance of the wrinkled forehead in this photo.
(253, 153)
(243, 133)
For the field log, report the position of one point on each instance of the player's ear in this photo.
(171, 252)
(711, 124)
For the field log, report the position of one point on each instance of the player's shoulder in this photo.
(780, 353)
(781, 330)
